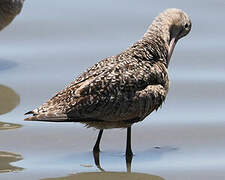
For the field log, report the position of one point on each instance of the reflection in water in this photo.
(109, 175)
(97, 162)
(7, 126)
(9, 99)
(6, 158)
(153, 154)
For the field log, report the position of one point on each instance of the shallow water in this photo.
(50, 44)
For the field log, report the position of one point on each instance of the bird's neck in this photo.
(158, 36)
(159, 29)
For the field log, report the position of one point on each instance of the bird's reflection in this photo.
(6, 158)
(103, 174)
(157, 152)
(97, 162)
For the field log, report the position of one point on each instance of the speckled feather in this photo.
(8, 10)
(118, 90)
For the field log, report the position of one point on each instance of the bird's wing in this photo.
(123, 80)
(95, 70)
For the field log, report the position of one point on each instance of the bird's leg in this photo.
(97, 162)
(128, 148)
(96, 147)
(128, 162)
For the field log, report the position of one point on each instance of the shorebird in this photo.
(8, 11)
(123, 89)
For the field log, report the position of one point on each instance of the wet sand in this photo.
(9, 99)
(9, 126)
(109, 176)
(6, 158)
(53, 48)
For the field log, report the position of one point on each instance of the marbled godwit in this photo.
(123, 89)
(8, 11)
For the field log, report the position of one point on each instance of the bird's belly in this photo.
(134, 108)
(122, 111)
(123, 114)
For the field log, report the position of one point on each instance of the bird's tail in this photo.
(49, 117)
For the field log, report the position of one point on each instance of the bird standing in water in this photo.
(8, 11)
(123, 89)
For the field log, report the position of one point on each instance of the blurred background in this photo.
(51, 43)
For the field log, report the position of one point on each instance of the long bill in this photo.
(172, 44)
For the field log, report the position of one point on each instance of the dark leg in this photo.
(128, 149)
(96, 147)
(128, 162)
(96, 159)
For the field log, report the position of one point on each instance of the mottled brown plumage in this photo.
(8, 11)
(125, 88)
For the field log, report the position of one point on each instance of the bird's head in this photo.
(179, 26)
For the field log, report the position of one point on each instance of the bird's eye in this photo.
(186, 26)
